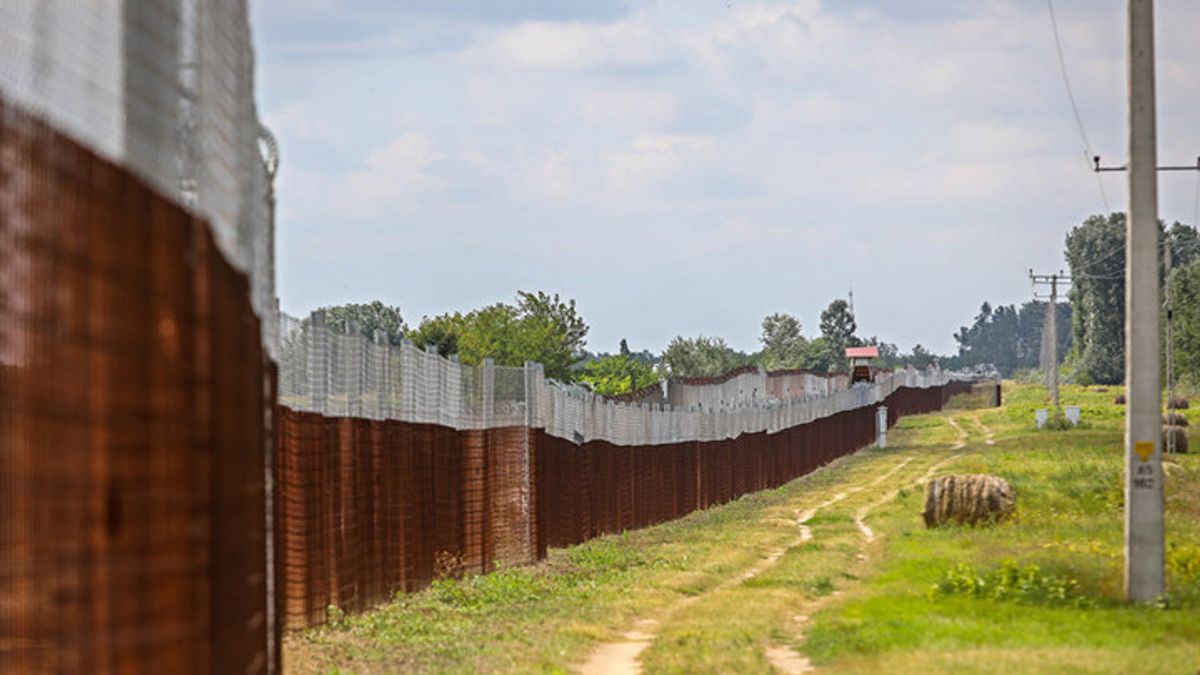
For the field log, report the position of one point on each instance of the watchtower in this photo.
(861, 363)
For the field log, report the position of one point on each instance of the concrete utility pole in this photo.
(1052, 317)
(1169, 307)
(1143, 451)
(1050, 327)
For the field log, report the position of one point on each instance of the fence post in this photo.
(407, 411)
(487, 401)
(381, 364)
(353, 368)
(533, 389)
(318, 364)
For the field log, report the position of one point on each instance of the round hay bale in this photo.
(1180, 434)
(1178, 403)
(972, 499)
(1175, 419)
(1119, 399)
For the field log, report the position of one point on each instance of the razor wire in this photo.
(341, 372)
(164, 88)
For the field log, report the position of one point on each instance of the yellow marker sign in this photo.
(1144, 449)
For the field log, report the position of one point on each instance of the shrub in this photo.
(1011, 582)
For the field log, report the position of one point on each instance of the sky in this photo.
(686, 167)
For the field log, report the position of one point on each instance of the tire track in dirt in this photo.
(786, 659)
(989, 437)
(623, 657)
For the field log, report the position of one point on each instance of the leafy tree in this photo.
(1096, 254)
(1185, 293)
(1009, 337)
(368, 317)
(624, 347)
(491, 333)
(701, 357)
(783, 345)
(442, 331)
(889, 353)
(838, 325)
(1183, 243)
(823, 356)
(539, 327)
(619, 374)
(921, 357)
(561, 316)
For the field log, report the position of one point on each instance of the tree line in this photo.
(1091, 324)
(1009, 337)
(1096, 254)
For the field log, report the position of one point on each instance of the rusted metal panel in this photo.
(132, 426)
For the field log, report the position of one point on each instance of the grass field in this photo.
(835, 571)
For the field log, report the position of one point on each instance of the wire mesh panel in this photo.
(164, 88)
(341, 372)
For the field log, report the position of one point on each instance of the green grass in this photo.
(1038, 593)
(1068, 527)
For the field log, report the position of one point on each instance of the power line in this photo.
(1117, 249)
(1062, 64)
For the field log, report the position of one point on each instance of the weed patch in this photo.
(1011, 582)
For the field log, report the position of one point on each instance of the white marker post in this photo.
(881, 425)
(1143, 452)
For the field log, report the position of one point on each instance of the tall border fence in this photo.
(169, 498)
(371, 507)
(135, 408)
(163, 509)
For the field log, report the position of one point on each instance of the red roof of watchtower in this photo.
(862, 352)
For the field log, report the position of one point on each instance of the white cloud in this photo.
(740, 233)
(632, 42)
(762, 128)
(995, 138)
(394, 177)
(819, 108)
(629, 107)
(297, 122)
(651, 159)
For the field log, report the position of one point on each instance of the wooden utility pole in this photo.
(1143, 451)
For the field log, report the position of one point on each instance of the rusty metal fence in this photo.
(588, 490)
(134, 426)
(141, 445)
(370, 507)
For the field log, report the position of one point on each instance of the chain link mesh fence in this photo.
(340, 372)
(164, 88)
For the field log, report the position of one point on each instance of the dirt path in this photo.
(622, 657)
(788, 660)
(989, 438)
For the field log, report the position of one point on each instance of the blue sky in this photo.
(689, 167)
